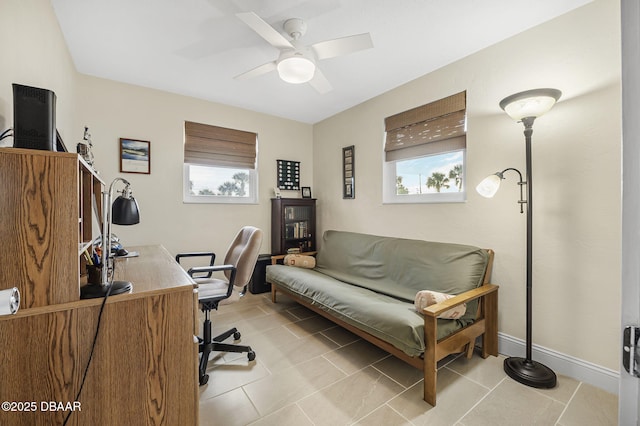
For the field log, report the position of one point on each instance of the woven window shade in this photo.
(219, 146)
(428, 129)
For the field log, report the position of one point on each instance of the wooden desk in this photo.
(144, 366)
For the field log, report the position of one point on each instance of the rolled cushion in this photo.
(426, 298)
(299, 260)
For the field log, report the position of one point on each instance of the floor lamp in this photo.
(525, 107)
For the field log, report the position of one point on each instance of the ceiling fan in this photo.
(297, 63)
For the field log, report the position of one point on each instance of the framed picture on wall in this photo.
(348, 172)
(135, 156)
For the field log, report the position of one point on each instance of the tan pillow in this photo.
(426, 298)
(299, 260)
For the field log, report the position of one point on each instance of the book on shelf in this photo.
(297, 230)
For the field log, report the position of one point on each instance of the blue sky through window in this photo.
(416, 171)
(204, 177)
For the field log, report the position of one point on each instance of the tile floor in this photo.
(310, 372)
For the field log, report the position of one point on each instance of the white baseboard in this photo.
(566, 365)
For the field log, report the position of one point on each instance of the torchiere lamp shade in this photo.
(530, 103)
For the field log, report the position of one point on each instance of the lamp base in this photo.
(93, 291)
(530, 373)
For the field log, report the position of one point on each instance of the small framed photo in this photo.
(135, 156)
(306, 192)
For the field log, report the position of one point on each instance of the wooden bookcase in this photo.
(293, 224)
(46, 223)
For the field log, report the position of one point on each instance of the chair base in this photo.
(208, 345)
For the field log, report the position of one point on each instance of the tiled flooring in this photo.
(310, 372)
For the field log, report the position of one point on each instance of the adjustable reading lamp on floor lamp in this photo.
(525, 107)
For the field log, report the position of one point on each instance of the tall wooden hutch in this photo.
(144, 363)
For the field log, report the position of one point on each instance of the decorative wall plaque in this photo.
(348, 172)
(288, 175)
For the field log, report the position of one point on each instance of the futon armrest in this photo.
(476, 293)
(211, 255)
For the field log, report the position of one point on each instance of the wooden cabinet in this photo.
(143, 368)
(293, 224)
(46, 222)
(144, 363)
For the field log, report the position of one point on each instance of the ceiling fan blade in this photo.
(342, 46)
(262, 69)
(320, 82)
(265, 30)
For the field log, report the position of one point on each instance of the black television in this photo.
(34, 118)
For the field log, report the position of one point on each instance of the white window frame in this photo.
(390, 196)
(219, 199)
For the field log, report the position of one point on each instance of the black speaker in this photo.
(258, 282)
(34, 118)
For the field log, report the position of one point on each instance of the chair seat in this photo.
(210, 289)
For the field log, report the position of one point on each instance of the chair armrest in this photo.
(211, 255)
(476, 293)
(211, 269)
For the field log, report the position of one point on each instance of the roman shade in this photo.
(436, 127)
(219, 146)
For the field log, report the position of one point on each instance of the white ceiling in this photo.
(196, 47)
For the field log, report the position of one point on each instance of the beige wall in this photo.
(576, 157)
(114, 110)
(34, 53)
(576, 171)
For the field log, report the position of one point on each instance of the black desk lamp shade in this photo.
(124, 211)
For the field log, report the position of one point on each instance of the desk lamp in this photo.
(525, 107)
(123, 211)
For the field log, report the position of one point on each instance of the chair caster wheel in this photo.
(204, 379)
(251, 355)
(236, 335)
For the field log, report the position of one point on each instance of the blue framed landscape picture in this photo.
(135, 156)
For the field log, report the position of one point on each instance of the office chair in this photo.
(239, 263)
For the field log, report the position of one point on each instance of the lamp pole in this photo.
(525, 370)
(107, 199)
(528, 131)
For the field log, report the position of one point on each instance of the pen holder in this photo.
(94, 274)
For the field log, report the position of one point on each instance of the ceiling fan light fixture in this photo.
(296, 69)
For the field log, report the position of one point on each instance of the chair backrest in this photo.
(243, 254)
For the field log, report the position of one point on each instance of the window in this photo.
(425, 150)
(219, 165)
